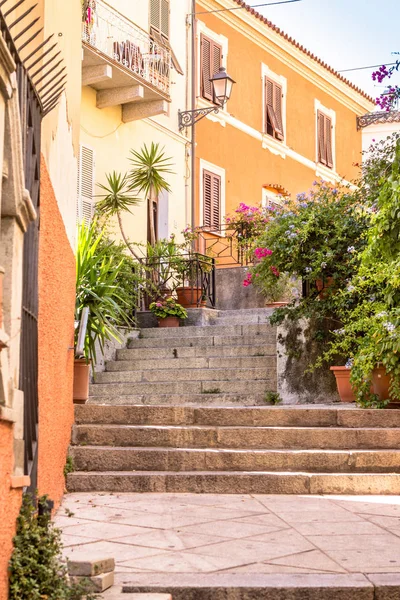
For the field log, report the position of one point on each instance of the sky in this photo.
(343, 33)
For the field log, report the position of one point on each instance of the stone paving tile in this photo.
(204, 534)
(171, 540)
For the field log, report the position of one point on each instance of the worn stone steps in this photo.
(113, 389)
(192, 331)
(203, 351)
(173, 399)
(105, 458)
(185, 363)
(242, 482)
(191, 374)
(278, 416)
(203, 436)
(178, 341)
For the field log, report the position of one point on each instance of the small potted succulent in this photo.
(168, 312)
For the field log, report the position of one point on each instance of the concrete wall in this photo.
(230, 292)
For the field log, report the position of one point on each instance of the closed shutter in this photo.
(159, 16)
(321, 138)
(211, 200)
(85, 203)
(328, 142)
(273, 109)
(210, 63)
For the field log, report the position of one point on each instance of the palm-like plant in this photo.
(149, 166)
(118, 198)
(96, 288)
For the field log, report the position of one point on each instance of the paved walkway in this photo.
(151, 534)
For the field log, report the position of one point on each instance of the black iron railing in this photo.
(226, 243)
(191, 274)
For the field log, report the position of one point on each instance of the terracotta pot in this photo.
(380, 383)
(276, 304)
(169, 322)
(342, 375)
(323, 285)
(81, 381)
(189, 297)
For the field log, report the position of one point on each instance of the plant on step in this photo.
(212, 391)
(36, 568)
(273, 398)
(69, 466)
(168, 307)
(97, 289)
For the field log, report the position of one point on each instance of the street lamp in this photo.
(222, 85)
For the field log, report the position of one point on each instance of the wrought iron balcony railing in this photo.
(114, 35)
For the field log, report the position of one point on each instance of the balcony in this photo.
(124, 65)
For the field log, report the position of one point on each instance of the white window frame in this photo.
(207, 166)
(202, 29)
(279, 80)
(321, 170)
(268, 196)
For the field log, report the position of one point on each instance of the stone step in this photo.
(175, 341)
(203, 351)
(275, 416)
(233, 482)
(104, 458)
(258, 586)
(146, 399)
(266, 311)
(259, 438)
(183, 387)
(192, 331)
(240, 362)
(181, 374)
(240, 320)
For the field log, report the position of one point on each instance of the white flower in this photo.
(351, 249)
(323, 265)
(350, 288)
(308, 269)
(349, 363)
(340, 331)
(389, 326)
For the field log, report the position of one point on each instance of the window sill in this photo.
(20, 481)
(274, 146)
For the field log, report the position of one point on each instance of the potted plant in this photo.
(191, 267)
(96, 290)
(168, 312)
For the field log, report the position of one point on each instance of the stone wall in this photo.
(230, 292)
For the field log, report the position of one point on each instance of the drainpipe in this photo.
(193, 106)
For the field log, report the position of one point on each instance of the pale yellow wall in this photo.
(103, 130)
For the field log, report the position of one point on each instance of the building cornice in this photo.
(289, 54)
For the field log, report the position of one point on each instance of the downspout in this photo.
(193, 106)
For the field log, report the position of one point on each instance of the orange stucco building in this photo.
(290, 120)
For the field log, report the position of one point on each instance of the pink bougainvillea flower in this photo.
(275, 271)
(262, 252)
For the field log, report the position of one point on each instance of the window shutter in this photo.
(164, 18)
(205, 56)
(328, 142)
(210, 62)
(211, 200)
(278, 111)
(321, 138)
(155, 14)
(216, 202)
(85, 204)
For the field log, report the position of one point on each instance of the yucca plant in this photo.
(96, 288)
(149, 166)
(117, 199)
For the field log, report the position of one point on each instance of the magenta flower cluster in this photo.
(275, 271)
(248, 280)
(381, 74)
(262, 252)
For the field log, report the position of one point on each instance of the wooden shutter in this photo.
(155, 14)
(164, 18)
(210, 62)
(321, 138)
(211, 200)
(273, 109)
(85, 203)
(328, 142)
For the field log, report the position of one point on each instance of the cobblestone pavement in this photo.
(248, 534)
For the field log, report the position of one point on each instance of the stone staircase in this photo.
(183, 410)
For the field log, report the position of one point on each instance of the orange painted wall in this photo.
(247, 165)
(10, 502)
(56, 332)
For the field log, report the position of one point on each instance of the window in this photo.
(210, 62)
(211, 199)
(324, 138)
(85, 188)
(273, 109)
(159, 16)
(271, 199)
